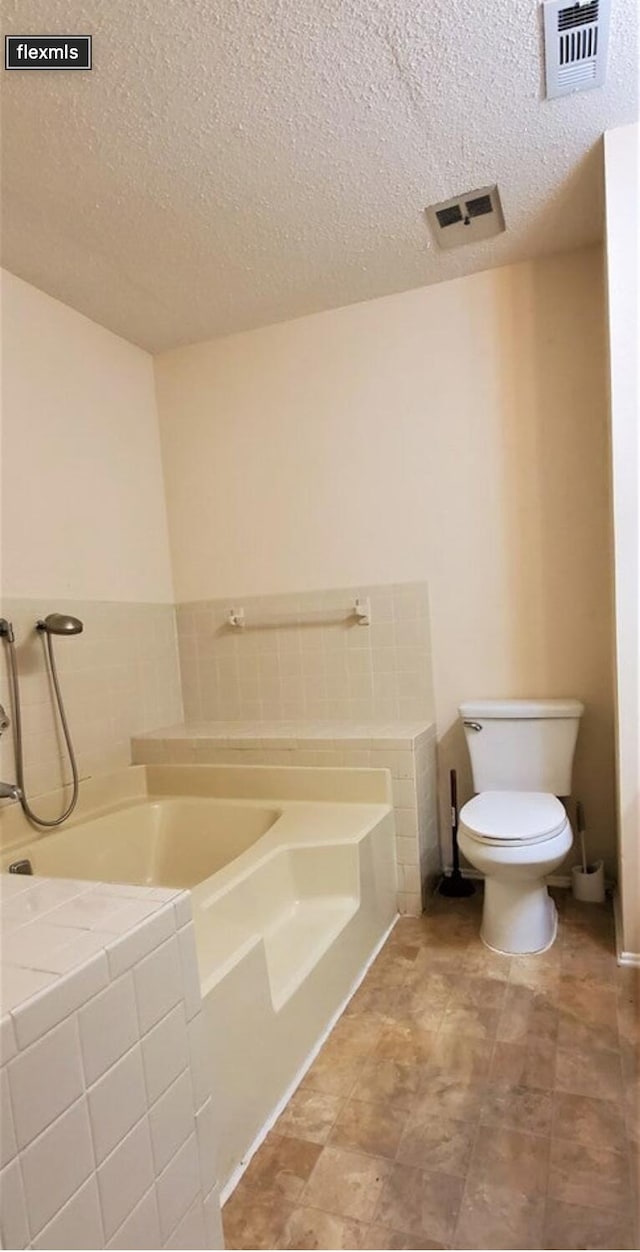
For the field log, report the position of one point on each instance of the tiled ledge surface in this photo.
(107, 1132)
(299, 732)
(406, 749)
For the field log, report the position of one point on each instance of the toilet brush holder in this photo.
(588, 884)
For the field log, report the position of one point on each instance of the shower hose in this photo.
(17, 712)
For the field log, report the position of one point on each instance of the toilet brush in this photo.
(587, 881)
(583, 846)
(455, 885)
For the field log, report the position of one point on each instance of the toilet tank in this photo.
(522, 745)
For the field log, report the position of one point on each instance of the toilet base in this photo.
(518, 918)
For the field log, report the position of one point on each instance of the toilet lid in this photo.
(513, 817)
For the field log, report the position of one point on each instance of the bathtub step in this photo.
(298, 939)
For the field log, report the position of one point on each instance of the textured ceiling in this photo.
(230, 163)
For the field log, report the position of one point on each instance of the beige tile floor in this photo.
(463, 1100)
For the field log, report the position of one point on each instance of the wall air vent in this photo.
(468, 218)
(575, 45)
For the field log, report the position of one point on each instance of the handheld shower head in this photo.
(61, 624)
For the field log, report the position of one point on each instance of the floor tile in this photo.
(393, 1081)
(420, 1203)
(334, 1070)
(627, 984)
(531, 1064)
(446, 953)
(392, 966)
(511, 1159)
(573, 1032)
(360, 1031)
(579, 913)
(407, 931)
(483, 963)
(281, 1166)
(479, 992)
(477, 1020)
(309, 1115)
(380, 1001)
(588, 1120)
(403, 1041)
(594, 965)
(589, 1071)
(442, 1145)
(346, 1182)
(424, 999)
(541, 972)
(252, 1223)
(630, 1058)
(521, 1108)
(464, 1057)
(527, 1013)
(493, 1216)
(403, 952)
(586, 1001)
(311, 1228)
(445, 1095)
(628, 1020)
(372, 1128)
(391, 1240)
(575, 1226)
(581, 1173)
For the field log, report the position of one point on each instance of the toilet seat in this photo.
(513, 818)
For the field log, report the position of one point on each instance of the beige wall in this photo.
(83, 530)
(455, 434)
(622, 174)
(83, 511)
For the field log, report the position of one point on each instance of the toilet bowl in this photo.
(516, 838)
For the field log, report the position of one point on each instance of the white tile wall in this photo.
(125, 1176)
(13, 1207)
(37, 1100)
(406, 749)
(142, 1227)
(171, 1120)
(107, 1129)
(56, 1163)
(120, 677)
(78, 1224)
(158, 982)
(178, 1186)
(192, 1231)
(165, 1052)
(108, 1027)
(301, 656)
(8, 1142)
(116, 1102)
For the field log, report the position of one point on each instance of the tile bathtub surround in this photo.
(107, 1127)
(119, 677)
(463, 1100)
(300, 656)
(406, 749)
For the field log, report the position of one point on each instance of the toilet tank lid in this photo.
(504, 709)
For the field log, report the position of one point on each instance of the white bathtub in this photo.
(165, 842)
(292, 873)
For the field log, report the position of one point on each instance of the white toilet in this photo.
(515, 830)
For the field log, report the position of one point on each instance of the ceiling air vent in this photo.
(575, 43)
(468, 218)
